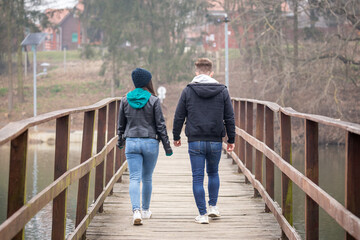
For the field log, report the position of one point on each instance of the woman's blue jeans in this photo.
(202, 152)
(141, 155)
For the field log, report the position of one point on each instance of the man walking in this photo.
(206, 106)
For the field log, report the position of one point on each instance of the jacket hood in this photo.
(207, 90)
(138, 98)
(203, 78)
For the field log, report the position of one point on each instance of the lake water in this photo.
(40, 174)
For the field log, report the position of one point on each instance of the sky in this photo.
(54, 4)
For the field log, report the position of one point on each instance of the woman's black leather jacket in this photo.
(145, 122)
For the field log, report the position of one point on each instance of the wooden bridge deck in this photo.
(174, 208)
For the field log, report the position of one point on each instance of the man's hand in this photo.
(177, 143)
(230, 147)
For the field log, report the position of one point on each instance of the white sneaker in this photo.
(213, 211)
(202, 219)
(137, 218)
(146, 214)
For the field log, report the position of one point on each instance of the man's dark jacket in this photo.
(208, 111)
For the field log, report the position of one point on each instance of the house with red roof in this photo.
(65, 29)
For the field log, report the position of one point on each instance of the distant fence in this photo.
(347, 216)
(20, 212)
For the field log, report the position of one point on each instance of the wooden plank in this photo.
(100, 143)
(352, 177)
(86, 151)
(286, 184)
(269, 165)
(81, 228)
(17, 177)
(249, 130)
(242, 126)
(60, 167)
(273, 106)
(174, 208)
(237, 123)
(330, 205)
(260, 137)
(351, 127)
(287, 230)
(110, 134)
(117, 151)
(312, 172)
(14, 129)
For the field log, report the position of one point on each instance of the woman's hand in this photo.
(177, 143)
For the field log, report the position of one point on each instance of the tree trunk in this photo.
(9, 38)
(20, 74)
(296, 35)
(19, 65)
(113, 75)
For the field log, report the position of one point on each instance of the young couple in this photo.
(206, 106)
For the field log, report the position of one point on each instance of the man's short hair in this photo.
(203, 65)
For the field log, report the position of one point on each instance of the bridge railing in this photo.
(19, 212)
(263, 141)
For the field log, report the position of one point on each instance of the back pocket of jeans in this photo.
(194, 147)
(216, 147)
(131, 147)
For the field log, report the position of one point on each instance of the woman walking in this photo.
(141, 125)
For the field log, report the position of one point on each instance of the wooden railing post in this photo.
(99, 172)
(118, 151)
(242, 126)
(86, 151)
(60, 167)
(17, 176)
(312, 172)
(249, 130)
(237, 124)
(260, 137)
(352, 175)
(286, 184)
(269, 165)
(110, 135)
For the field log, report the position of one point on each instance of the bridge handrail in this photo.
(348, 126)
(14, 129)
(347, 216)
(19, 212)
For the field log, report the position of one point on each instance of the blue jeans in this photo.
(141, 155)
(202, 152)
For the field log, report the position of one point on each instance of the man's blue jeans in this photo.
(202, 152)
(141, 155)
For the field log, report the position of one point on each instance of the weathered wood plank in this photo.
(86, 151)
(312, 172)
(99, 172)
(352, 178)
(14, 129)
(17, 176)
(174, 208)
(61, 166)
(286, 154)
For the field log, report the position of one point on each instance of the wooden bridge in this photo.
(245, 214)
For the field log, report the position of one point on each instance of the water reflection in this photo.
(40, 167)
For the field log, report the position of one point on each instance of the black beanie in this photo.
(141, 77)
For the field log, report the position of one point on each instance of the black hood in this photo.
(207, 90)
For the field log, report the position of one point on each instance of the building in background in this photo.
(65, 30)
